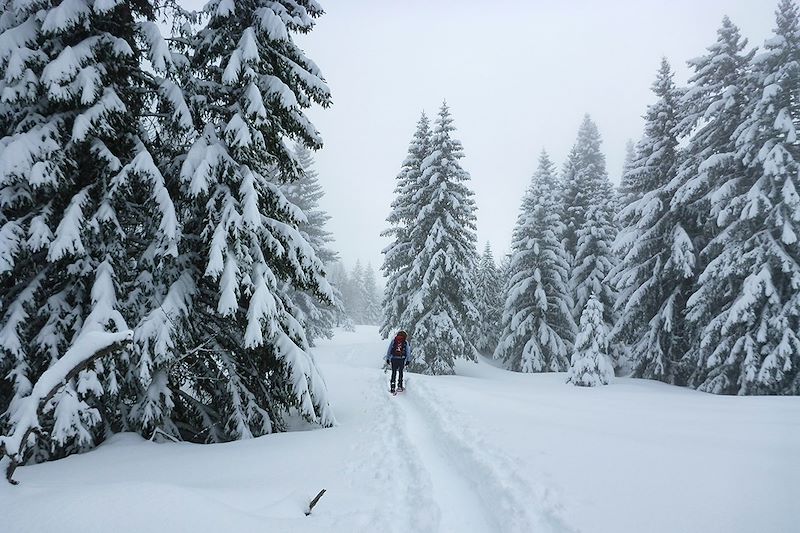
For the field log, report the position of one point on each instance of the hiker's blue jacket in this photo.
(407, 351)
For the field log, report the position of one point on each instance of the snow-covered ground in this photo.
(487, 450)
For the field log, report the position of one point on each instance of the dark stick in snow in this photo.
(314, 501)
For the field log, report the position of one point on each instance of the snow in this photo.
(261, 312)
(273, 86)
(168, 226)
(181, 114)
(249, 46)
(10, 242)
(484, 450)
(272, 25)
(158, 51)
(238, 132)
(65, 15)
(67, 237)
(228, 302)
(102, 6)
(231, 74)
(61, 69)
(225, 8)
(255, 102)
(12, 39)
(204, 155)
(97, 115)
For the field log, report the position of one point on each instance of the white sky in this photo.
(518, 77)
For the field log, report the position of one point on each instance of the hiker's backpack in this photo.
(399, 348)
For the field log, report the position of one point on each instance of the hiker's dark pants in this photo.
(397, 366)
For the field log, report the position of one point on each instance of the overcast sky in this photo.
(518, 77)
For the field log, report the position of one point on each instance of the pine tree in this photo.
(339, 280)
(594, 258)
(538, 327)
(349, 287)
(373, 315)
(656, 273)
(319, 317)
(584, 176)
(441, 315)
(504, 273)
(357, 306)
(489, 290)
(748, 298)
(399, 255)
(711, 110)
(146, 243)
(625, 194)
(590, 365)
(504, 270)
(590, 231)
(245, 362)
(82, 202)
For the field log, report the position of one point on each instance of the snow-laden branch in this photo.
(24, 420)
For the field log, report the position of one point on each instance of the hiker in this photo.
(398, 355)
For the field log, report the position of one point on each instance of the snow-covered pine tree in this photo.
(489, 294)
(441, 313)
(711, 109)
(625, 195)
(399, 256)
(656, 273)
(249, 83)
(305, 192)
(373, 314)
(748, 296)
(589, 205)
(710, 174)
(351, 294)
(357, 295)
(339, 280)
(82, 202)
(584, 171)
(504, 271)
(151, 398)
(538, 327)
(590, 364)
(594, 258)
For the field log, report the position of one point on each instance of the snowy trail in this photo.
(432, 470)
(509, 503)
(460, 507)
(386, 463)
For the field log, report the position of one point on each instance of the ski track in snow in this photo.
(435, 475)
(460, 507)
(407, 474)
(386, 458)
(476, 484)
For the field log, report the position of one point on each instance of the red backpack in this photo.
(399, 348)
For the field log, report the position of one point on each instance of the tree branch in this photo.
(30, 425)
